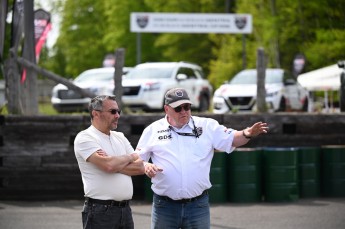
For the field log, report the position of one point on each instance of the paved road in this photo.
(304, 213)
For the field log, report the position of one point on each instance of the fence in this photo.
(37, 159)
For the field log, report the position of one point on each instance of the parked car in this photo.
(283, 92)
(144, 87)
(98, 81)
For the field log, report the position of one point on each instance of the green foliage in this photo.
(91, 29)
(81, 39)
(325, 48)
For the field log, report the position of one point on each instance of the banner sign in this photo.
(190, 23)
(42, 28)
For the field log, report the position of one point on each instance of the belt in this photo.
(183, 201)
(120, 204)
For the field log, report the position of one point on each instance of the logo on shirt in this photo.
(165, 137)
(163, 131)
(228, 131)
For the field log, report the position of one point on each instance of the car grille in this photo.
(240, 101)
(69, 94)
(131, 90)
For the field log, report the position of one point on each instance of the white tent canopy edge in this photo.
(323, 79)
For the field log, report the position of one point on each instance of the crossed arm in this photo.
(128, 164)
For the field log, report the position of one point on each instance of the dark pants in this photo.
(100, 216)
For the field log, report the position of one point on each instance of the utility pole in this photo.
(119, 63)
(261, 75)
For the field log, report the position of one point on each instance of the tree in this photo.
(91, 29)
(81, 36)
(118, 35)
(283, 29)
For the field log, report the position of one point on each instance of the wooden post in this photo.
(261, 74)
(54, 77)
(12, 91)
(119, 63)
(29, 96)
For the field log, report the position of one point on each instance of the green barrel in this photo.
(333, 171)
(148, 191)
(280, 174)
(244, 179)
(218, 178)
(309, 171)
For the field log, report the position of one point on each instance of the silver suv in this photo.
(145, 85)
(98, 81)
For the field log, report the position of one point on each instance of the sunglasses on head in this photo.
(112, 111)
(185, 107)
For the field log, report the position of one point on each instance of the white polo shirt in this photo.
(97, 183)
(185, 160)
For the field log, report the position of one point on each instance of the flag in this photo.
(42, 27)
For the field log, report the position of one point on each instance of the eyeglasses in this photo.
(185, 107)
(112, 111)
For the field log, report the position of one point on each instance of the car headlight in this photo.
(272, 94)
(217, 106)
(55, 93)
(151, 86)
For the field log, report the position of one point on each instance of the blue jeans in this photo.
(100, 216)
(172, 215)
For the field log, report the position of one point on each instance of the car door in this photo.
(292, 92)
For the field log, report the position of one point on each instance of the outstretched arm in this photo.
(242, 137)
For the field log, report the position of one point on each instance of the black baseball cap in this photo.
(176, 96)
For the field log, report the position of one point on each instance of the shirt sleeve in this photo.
(143, 147)
(85, 145)
(222, 136)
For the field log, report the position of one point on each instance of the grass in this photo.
(44, 108)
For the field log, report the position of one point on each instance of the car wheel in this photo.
(342, 100)
(204, 103)
(305, 105)
(282, 104)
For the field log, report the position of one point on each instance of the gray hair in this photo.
(97, 103)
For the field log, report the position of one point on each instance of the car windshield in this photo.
(150, 73)
(94, 76)
(249, 77)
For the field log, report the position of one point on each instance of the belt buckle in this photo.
(120, 204)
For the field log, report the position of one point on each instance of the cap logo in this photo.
(179, 93)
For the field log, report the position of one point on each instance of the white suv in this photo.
(283, 92)
(145, 85)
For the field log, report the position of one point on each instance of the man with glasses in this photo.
(106, 161)
(181, 147)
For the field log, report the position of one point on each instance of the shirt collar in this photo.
(190, 123)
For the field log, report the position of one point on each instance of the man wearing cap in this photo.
(181, 147)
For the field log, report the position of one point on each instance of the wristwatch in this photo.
(244, 135)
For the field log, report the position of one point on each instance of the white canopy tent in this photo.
(323, 79)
